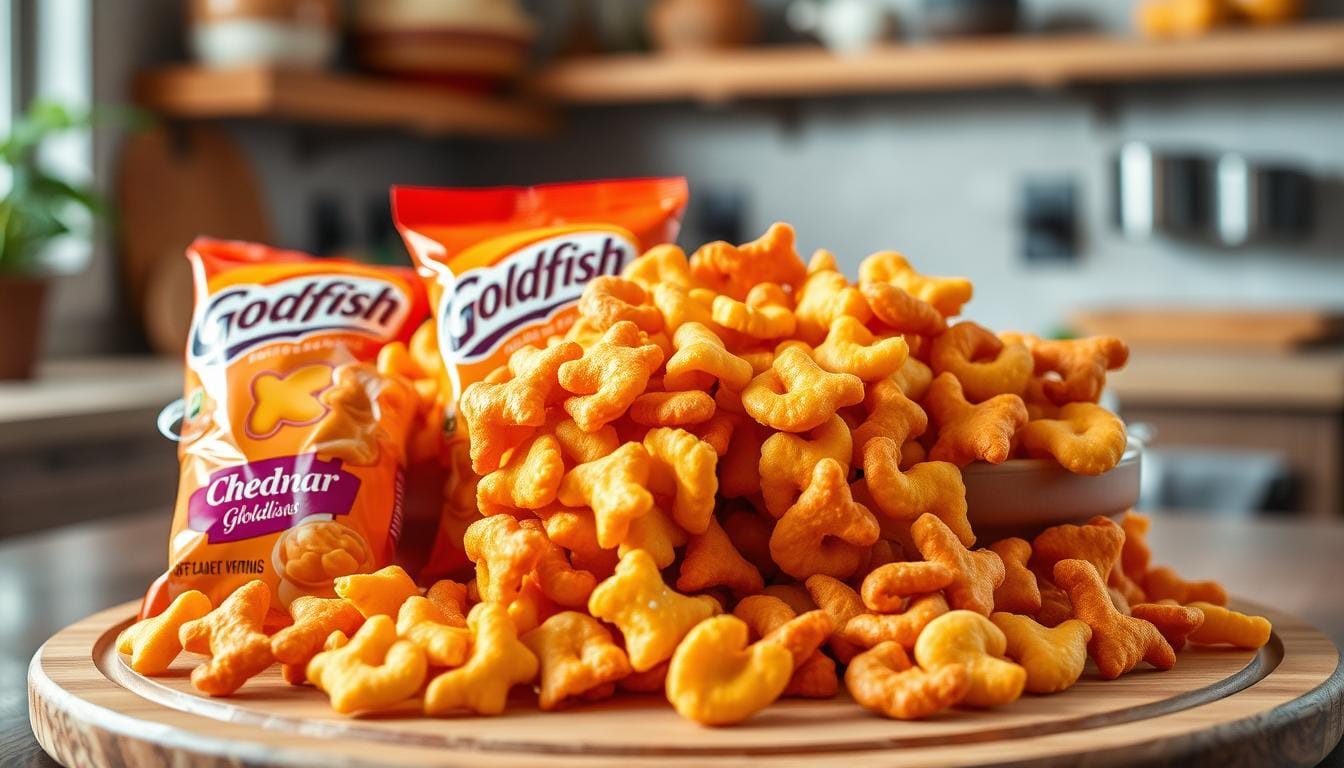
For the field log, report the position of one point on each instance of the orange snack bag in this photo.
(505, 268)
(293, 447)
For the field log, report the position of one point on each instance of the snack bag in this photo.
(505, 268)
(293, 444)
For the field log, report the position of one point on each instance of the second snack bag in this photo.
(505, 268)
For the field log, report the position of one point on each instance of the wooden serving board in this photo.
(1282, 705)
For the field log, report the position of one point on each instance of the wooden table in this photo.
(53, 579)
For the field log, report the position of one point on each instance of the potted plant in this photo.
(37, 208)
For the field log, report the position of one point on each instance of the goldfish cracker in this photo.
(682, 468)
(825, 532)
(1119, 642)
(530, 607)
(1085, 439)
(578, 446)
(787, 461)
(289, 422)
(717, 431)
(577, 656)
(377, 594)
(716, 678)
(374, 670)
(749, 531)
(498, 661)
(421, 622)
(886, 587)
(914, 378)
(609, 376)
(528, 479)
(1135, 555)
(449, 597)
(764, 315)
(1054, 658)
(796, 395)
(1099, 543)
(504, 553)
(657, 534)
(945, 294)
(500, 414)
(701, 358)
(981, 361)
(711, 560)
(653, 617)
(734, 270)
(660, 265)
(608, 300)
(315, 618)
(1163, 583)
(841, 604)
(1081, 365)
(899, 311)
(231, 636)
(1019, 593)
(770, 619)
(1176, 622)
(824, 297)
(613, 487)
(556, 576)
(870, 629)
(890, 414)
(153, 644)
(672, 409)
(975, 574)
(974, 642)
(884, 680)
(930, 487)
(972, 432)
(1226, 627)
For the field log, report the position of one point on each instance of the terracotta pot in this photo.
(21, 302)
(702, 25)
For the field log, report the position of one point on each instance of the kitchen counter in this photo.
(1288, 403)
(1218, 377)
(79, 441)
(51, 579)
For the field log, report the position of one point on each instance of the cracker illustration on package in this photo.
(293, 443)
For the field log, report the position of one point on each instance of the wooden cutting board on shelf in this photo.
(1281, 705)
(1265, 329)
(176, 183)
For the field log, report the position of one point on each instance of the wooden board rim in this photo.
(1319, 710)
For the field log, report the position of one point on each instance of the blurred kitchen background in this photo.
(1169, 171)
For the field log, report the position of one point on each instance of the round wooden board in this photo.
(1282, 705)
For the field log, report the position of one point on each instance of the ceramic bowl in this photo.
(1023, 497)
(289, 33)
(967, 18)
(470, 44)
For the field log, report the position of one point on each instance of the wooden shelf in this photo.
(1040, 62)
(341, 99)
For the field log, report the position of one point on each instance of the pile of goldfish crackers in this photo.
(738, 478)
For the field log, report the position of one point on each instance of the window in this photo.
(9, 71)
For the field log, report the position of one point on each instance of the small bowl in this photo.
(1023, 497)
(948, 19)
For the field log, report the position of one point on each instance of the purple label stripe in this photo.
(270, 496)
